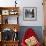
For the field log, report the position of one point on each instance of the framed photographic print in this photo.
(30, 13)
(5, 12)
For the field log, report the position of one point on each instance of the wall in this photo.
(45, 22)
(6, 3)
(27, 3)
(44, 12)
(38, 5)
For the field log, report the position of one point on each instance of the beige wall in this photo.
(44, 4)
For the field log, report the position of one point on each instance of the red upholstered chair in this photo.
(29, 33)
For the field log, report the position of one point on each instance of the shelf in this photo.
(9, 10)
(10, 26)
(11, 41)
(9, 20)
(6, 12)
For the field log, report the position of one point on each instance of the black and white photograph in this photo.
(30, 13)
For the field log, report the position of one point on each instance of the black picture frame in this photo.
(29, 13)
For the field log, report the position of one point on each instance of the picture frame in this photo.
(30, 13)
(5, 12)
(13, 12)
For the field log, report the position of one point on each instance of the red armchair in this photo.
(29, 33)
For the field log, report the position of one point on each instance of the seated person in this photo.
(30, 38)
